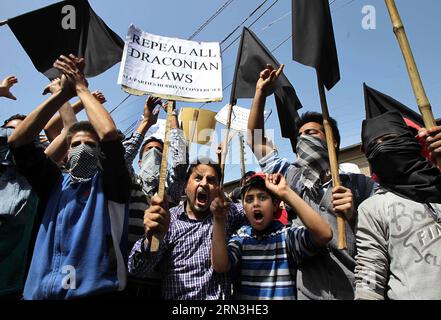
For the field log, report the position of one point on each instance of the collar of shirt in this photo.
(182, 213)
(274, 226)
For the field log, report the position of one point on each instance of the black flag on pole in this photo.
(377, 103)
(313, 41)
(252, 58)
(67, 27)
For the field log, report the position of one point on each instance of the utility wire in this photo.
(241, 24)
(257, 19)
(222, 8)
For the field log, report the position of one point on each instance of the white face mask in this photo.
(83, 162)
(150, 167)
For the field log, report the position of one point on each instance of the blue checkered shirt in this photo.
(185, 257)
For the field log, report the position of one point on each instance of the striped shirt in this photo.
(185, 257)
(267, 267)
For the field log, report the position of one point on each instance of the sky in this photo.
(365, 55)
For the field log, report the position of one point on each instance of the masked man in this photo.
(330, 274)
(399, 228)
(145, 184)
(81, 242)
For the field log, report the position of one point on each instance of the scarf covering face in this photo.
(83, 162)
(398, 162)
(313, 159)
(150, 167)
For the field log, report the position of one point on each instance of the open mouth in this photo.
(258, 216)
(202, 197)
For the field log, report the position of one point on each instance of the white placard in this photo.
(171, 68)
(239, 117)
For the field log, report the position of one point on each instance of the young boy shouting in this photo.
(264, 255)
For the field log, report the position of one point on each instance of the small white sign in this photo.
(171, 68)
(239, 117)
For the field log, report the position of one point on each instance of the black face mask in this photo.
(398, 162)
(391, 158)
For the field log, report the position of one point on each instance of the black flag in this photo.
(67, 27)
(377, 103)
(252, 58)
(313, 41)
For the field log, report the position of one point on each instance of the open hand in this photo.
(150, 113)
(6, 85)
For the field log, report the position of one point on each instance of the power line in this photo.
(257, 19)
(249, 16)
(222, 8)
(128, 96)
(277, 20)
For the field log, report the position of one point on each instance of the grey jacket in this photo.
(399, 249)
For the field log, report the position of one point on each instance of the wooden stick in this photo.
(332, 160)
(242, 153)
(155, 242)
(225, 146)
(412, 69)
(2, 23)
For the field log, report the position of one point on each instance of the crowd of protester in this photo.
(77, 222)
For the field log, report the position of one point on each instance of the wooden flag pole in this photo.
(225, 145)
(154, 245)
(412, 69)
(332, 159)
(242, 153)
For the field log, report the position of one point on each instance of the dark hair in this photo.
(256, 183)
(316, 117)
(207, 161)
(77, 127)
(246, 176)
(150, 139)
(14, 117)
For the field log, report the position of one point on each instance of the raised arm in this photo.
(37, 119)
(56, 123)
(219, 251)
(150, 117)
(256, 137)
(96, 113)
(320, 230)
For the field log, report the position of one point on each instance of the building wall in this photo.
(353, 154)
